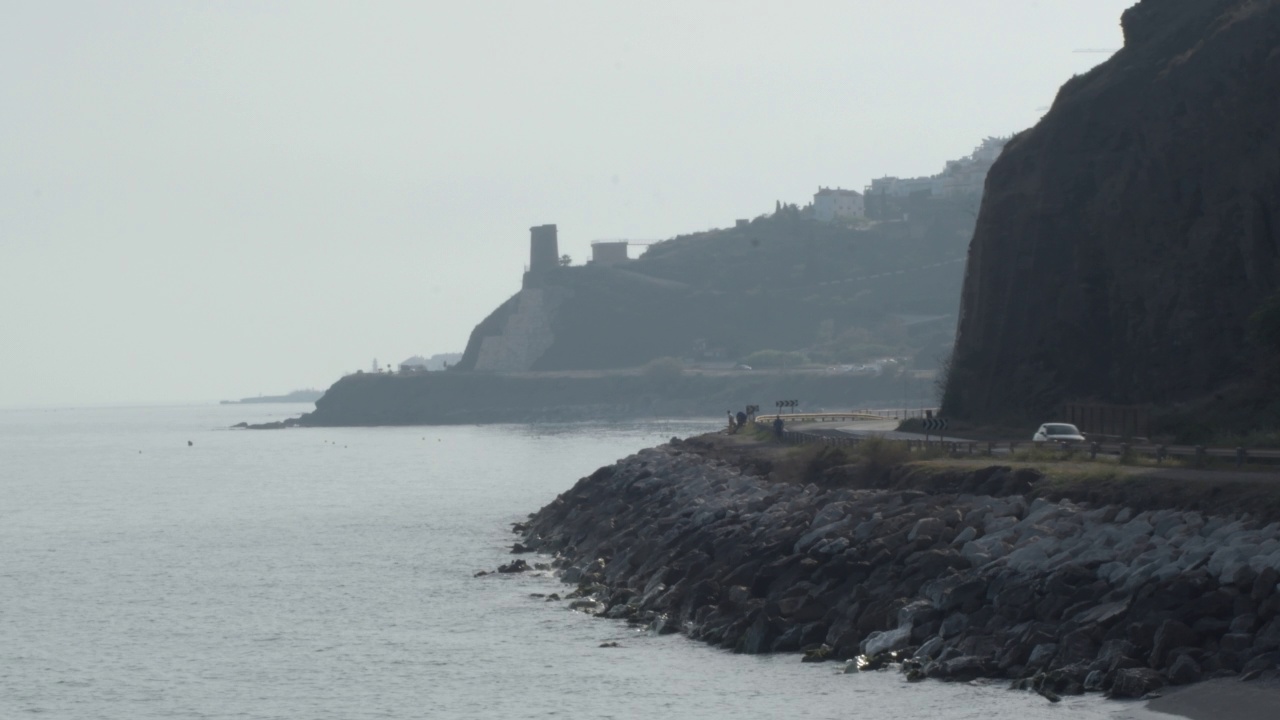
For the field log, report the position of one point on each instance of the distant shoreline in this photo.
(449, 398)
(297, 396)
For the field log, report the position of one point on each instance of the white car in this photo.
(1058, 433)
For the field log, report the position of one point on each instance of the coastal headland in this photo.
(441, 398)
(1055, 581)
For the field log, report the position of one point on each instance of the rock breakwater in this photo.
(982, 580)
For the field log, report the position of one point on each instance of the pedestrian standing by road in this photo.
(732, 427)
(742, 419)
(777, 426)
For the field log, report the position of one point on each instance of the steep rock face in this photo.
(526, 335)
(1125, 239)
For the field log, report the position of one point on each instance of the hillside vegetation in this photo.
(784, 282)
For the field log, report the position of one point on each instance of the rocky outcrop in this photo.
(1063, 596)
(1124, 240)
(778, 282)
(525, 335)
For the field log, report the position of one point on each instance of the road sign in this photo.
(787, 403)
(934, 424)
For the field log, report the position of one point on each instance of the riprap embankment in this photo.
(981, 578)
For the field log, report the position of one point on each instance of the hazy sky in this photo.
(205, 200)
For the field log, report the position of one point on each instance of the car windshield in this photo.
(1062, 429)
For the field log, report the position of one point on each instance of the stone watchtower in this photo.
(544, 253)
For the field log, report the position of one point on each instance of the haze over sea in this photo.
(327, 573)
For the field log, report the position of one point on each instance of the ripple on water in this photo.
(327, 573)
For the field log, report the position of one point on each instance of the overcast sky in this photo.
(207, 200)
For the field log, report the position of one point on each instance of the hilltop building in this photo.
(959, 178)
(609, 252)
(831, 204)
(544, 252)
(525, 332)
(544, 255)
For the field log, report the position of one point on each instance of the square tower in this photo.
(544, 252)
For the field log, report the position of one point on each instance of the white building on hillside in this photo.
(830, 204)
(965, 176)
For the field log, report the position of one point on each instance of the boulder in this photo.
(1268, 638)
(962, 669)
(822, 653)
(1102, 613)
(1077, 646)
(929, 528)
(1134, 683)
(1171, 634)
(886, 640)
(663, 624)
(1236, 642)
(929, 650)
(1262, 663)
(515, 566)
(586, 605)
(1095, 681)
(953, 625)
(1041, 655)
(1184, 671)
(1264, 586)
(759, 636)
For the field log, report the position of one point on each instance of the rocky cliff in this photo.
(1124, 241)
(781, 282)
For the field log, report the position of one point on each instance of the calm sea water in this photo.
(327, 573)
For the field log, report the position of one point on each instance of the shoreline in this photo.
(966, 575)
(1213, 700)
(444, 398)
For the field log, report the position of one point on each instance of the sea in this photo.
(155, 563)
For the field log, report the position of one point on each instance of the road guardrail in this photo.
(1199, 454)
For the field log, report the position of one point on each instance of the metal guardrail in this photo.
(902, 413)
(1198, 454)
(850, 415)
(821, 417)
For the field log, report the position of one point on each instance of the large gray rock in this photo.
(1135, 682)
(1268, 638)
(929, 528)
(1171, 634)
(886, 640)
(1184, 671)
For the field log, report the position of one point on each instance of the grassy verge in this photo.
(1141, 484)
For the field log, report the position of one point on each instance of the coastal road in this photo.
(887, 428)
